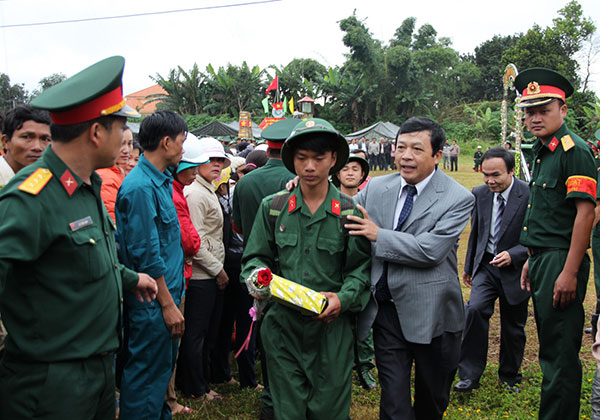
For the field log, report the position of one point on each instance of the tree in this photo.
(48, 82)
(233, 89)
(301, 77)
(11, 95)
(491, 65)
(186, 91)
(554, 47)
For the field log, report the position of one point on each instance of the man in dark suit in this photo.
(414, 220)
(493, 270)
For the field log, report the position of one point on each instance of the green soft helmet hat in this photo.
(353, 158)
(310, 127)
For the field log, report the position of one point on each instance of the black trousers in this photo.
(478, 310)
(435, 367)
(236, 304)
(453, 163)
(203, 304)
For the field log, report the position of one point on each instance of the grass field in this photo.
(490, 401)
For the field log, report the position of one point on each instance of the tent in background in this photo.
(378, 130)
(221, 129)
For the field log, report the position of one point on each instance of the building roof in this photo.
(136, 99)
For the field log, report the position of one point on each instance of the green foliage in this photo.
(186, 91)
(555, 46)
(232, 89)
(48, 82)
(11, 95)
(416, 73)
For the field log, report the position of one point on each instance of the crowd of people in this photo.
(123, 258)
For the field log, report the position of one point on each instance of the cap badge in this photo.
(309, 124)
(533, 88)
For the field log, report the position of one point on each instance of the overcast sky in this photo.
(262, 34)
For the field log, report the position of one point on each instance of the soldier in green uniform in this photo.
(61, 284)
(310, 358)
(477, 159)
(247, 195)
(556, 232)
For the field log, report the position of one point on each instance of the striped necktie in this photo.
(382, 291)
(498, 222)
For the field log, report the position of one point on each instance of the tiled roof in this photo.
(136, 99)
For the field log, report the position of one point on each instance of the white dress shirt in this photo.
(491, 240)
(402, 196)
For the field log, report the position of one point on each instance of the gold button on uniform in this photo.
(544, 186)
(92, 241)
(533, 183)
(525, 228)
(538, 161)
(528, 206)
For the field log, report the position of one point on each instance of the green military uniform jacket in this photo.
(310, 362)
(252, 188)
(563, 169)
(60, 280)
(312, 249)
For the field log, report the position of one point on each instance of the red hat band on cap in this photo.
(535, 90)
(106, 104)
(274, 145)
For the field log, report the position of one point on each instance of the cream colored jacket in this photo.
(207, 217)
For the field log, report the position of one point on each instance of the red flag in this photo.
(273, 85)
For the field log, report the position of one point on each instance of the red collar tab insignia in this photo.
(68, 182)
(36, 181)
(292, 204)
(552, 145)
(567, 142)
(335, 207)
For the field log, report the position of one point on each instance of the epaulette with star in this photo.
(36, 181)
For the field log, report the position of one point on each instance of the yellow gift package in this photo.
(296, 296)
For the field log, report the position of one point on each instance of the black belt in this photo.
(531, 251)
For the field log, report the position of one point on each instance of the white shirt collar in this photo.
(419, 186)
(506, 192)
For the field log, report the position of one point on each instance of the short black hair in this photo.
(319, 143)
(500, 152)
(66, 133)
(274, 153)
(159, 125)
(15, 118)
(436, 132)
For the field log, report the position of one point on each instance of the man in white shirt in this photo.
(26, 133)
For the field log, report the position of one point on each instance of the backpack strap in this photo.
(279, 201)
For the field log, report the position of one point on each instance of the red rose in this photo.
(264, 277)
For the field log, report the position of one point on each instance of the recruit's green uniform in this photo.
(558, 177)
(60, 295)
(310, 362)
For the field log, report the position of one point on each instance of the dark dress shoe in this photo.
(366, 379)
(466, 385)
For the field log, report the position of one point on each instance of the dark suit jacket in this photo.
(512, 222)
